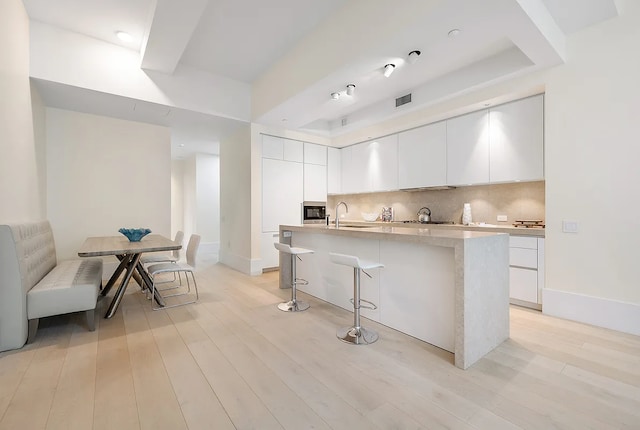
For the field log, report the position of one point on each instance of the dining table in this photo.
(128, 253)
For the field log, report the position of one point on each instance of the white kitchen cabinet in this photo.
(293, 150)
(382, 157)
(355, 170)
(269, 254)
(272, 147)
(526, 271)
(516, 141)
(279, 148)
(334, 171)
(468, 149)
(370, 166)
(315, 154)
(315, 182)
(282, 193)
(422, 156)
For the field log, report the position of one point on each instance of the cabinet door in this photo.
(516, 141)
(315, 183)
(523, 284)
(272, 147)
(293, 150)
(382, 163)
(282, 193)
(540, 268)
(268, 252)
(334, 171)
(315, 154)
(468, 149)
(422, 156)
(355, 172)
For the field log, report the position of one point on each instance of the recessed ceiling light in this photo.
(181, 145)
(454, 32)
(413, 56)
(124, 36)
(335, 96)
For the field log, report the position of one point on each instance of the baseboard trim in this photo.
(251, 267)
(598, 311)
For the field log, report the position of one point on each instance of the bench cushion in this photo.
(71, 286)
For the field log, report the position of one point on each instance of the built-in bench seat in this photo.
(34, 285)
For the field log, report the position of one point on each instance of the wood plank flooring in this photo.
(234, 361)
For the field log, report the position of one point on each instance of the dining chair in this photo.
(161, 257)
(177, 268)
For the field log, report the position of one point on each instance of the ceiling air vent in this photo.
(403, 100)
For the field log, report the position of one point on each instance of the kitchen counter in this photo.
(493, 228)
(446, 286)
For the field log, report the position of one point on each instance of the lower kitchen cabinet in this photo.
(526, 270)
(269, 254)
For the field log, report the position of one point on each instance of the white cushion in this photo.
(72, 286)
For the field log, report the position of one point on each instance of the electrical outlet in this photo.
(502, 218)
(286, 233)
(569, 226)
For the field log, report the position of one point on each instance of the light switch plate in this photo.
(502, 217)
(569, 226)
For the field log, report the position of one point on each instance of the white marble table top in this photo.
(119, 245)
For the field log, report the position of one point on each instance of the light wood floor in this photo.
(234, 361)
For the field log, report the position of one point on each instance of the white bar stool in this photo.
(356, 334)
(293, 305)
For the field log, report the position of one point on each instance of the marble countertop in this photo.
(492, 228)
(390, 231)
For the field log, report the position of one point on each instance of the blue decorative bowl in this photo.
(135, 234)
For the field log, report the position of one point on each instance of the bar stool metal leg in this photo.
(294, 305)
(356, 334)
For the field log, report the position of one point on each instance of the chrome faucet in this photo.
(337, 216)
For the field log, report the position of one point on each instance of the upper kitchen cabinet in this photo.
(383, 163)
(468, 149)
(315, 154)
(422, 156)
(279, 148)
(334, 171)
(370, 166)
(516, 140)
(315, 172)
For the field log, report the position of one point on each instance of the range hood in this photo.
(434, 188)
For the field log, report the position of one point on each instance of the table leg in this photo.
(116, 274)
(131, 262)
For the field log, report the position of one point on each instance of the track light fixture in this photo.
(413, 56)
(351, 89)
(388, 69)
(335, 96)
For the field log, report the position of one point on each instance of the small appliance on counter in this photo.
(387, 214)
(314, 212)
(424, 215)
(529, 223)
(466, 214)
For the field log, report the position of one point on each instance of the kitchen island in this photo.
(449, 288)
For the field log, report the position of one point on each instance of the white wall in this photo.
(592, 155)
(235, 201)
(189, 200)
(22, 165)
(177, 196)
(104, 174)
(208, 197)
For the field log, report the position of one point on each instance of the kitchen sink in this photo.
(357, 226)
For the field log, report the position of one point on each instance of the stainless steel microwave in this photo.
(314, 212)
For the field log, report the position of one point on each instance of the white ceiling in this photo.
(244, 39)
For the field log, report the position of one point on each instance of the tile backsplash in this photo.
(522, 200)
